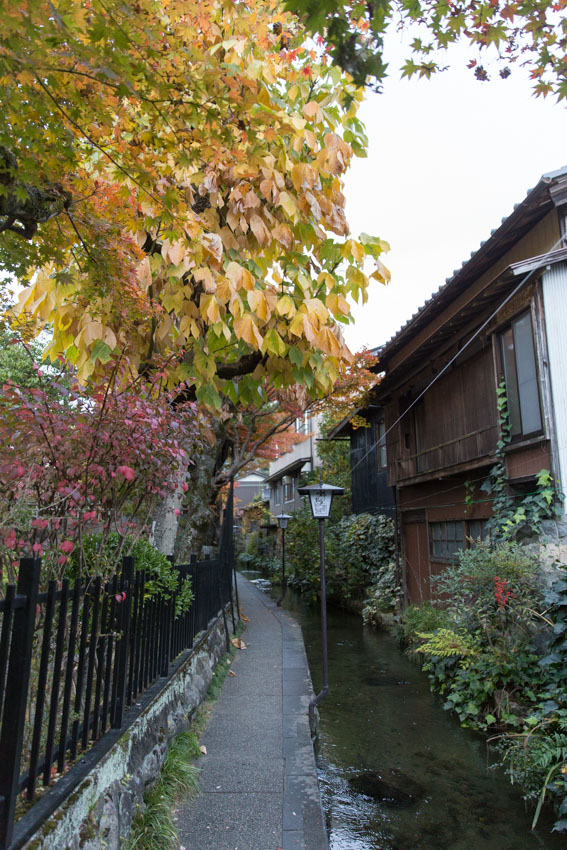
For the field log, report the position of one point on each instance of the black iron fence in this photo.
(76, 656)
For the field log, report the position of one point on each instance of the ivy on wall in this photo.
(515, 518)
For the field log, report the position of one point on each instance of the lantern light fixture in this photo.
(320, 498)
(283, 520)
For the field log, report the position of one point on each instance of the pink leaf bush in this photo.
(73, 463)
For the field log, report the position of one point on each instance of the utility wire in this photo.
(382, 439)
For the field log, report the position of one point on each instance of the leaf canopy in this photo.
(500, 33)
(171, 190)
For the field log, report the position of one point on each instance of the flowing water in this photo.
(396, 771)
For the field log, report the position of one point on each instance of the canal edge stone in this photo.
(303, 819)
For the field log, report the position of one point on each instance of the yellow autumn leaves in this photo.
(215, 180)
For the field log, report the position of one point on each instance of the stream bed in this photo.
(396, 771)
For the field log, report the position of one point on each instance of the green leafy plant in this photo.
(420, 618)
(100, 557)
(259, 553)
(446, 643)
(359, 558)
(478, 651)
(154, 828)
(494, 587)
(536, 758)
(514, 518)
(500, 663)
(383, 596)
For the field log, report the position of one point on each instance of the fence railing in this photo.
(76, 656)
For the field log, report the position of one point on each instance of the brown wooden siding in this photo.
(454, 423)
(527, 461)
(416, 558)
(434, 501)
(448, 499)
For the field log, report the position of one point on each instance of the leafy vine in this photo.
(513, 517)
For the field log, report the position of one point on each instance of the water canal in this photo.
(396, 771)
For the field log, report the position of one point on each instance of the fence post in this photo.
(16, 694)
(168, 613)
(127, 585)
(220, 576)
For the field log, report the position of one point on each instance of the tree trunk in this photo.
(195, 525)
(166, 516)
(199, 521)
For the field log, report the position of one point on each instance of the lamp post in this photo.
(283, 520)
(320, 499)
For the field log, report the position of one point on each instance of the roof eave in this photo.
(547, 194)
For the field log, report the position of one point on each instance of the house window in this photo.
(381, 444)
(277, 493)
(446, 539)
(520, 373)
(287, 482)
(303, 424)
(477, 530)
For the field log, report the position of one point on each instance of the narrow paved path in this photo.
(258, 779)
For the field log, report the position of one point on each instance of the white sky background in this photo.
(448, 159)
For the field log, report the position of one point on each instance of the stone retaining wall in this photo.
(553, 544)
(100, 810)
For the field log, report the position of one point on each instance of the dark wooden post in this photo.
(127, 585)
(17, 684)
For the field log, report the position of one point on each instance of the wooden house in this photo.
(369, 475)
(501, 317)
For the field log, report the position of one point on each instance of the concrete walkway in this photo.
(258, 780)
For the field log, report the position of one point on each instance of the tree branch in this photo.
(244, 366)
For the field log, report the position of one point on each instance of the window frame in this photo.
(381, 448)
(468, 535)
(288, 488)
(513, 389)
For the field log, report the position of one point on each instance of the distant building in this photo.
(249, 487)
(368, 461)
(285, 471)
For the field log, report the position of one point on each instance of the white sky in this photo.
(448, 159)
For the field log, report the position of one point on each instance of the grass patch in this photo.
(154, 828)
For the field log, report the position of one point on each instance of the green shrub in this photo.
(487, 604)
(495, 586)
(477, 644)
(383, 596)
(258, 553)
(359, 551)
(101, 558)
(536, 757)
(302, 550)
(421, 618)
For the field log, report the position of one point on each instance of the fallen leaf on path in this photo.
(238, 643)
(231, 673)
(203, 749)
(245, 618)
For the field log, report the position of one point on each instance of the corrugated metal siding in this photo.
(555, 304)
